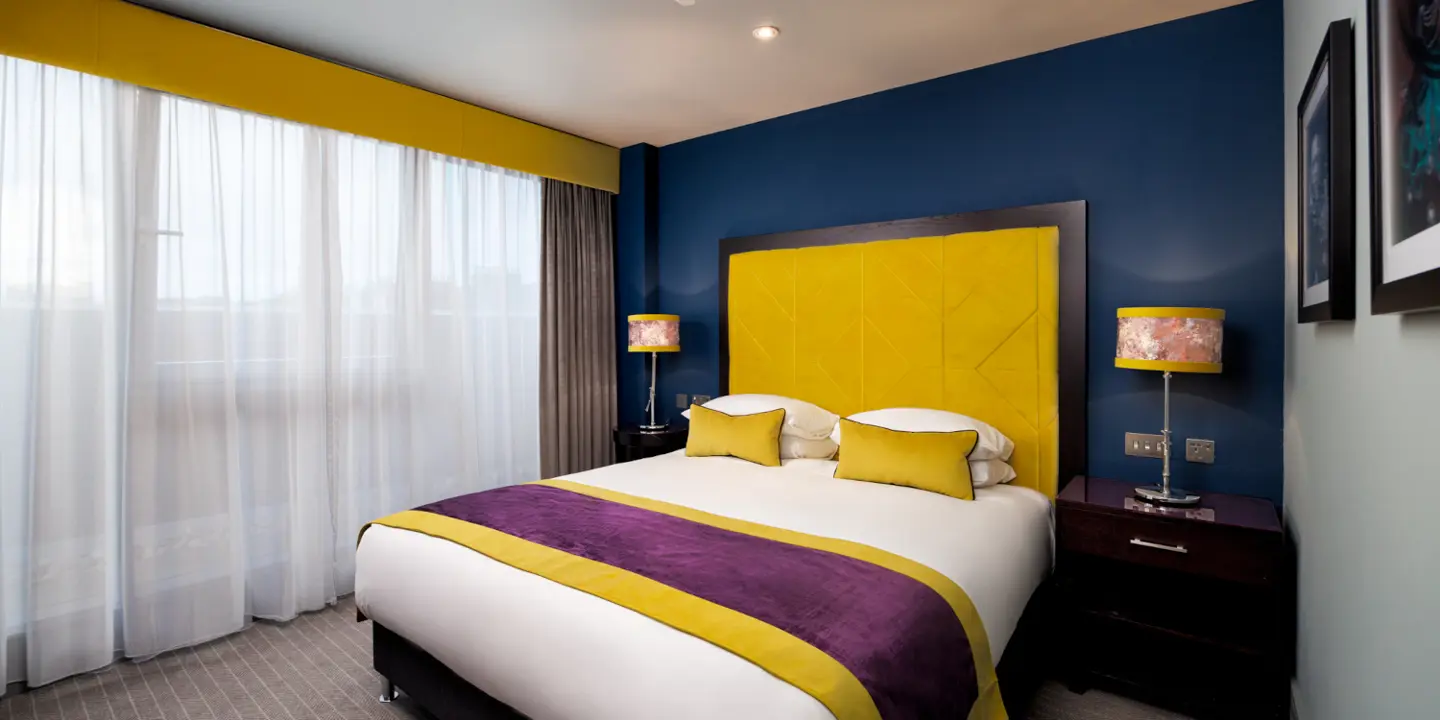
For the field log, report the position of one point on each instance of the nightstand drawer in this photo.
(1217, 551)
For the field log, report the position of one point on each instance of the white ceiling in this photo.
(629, 71)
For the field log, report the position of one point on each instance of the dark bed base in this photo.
(446, 696)
(434, 687)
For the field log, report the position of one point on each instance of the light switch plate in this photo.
(701, 399)
(682, 401)
(1141, 445)
(1200, 451)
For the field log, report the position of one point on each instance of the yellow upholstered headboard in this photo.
(967, 322)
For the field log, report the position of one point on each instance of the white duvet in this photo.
(554, 653)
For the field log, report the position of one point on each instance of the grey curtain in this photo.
(577, 329)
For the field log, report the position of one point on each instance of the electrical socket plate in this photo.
(1200, 451)
(701, 399)
(682, 401)
(1141, 445)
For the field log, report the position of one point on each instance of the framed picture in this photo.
(1325, 144)
(1404, 155)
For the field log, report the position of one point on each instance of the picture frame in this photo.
(1325, 187)
(1404, 160)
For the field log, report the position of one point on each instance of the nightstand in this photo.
(1196, 614)
(632, 443)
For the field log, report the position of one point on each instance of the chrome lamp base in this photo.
(1163, 496)
(653, 426)
(1165, 493)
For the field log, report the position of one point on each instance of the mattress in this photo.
(555, 653)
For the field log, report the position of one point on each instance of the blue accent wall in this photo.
(636, 269)
(1172, 133)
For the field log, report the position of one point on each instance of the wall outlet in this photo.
(682, 401)
(1141, 445)
(702, 399)
(1200, 451)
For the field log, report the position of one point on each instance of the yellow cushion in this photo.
(934, 461)
(749, 437)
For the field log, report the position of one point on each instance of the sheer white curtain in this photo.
(226, 341)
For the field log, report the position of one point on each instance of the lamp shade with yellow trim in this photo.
(654, 333)
(1170, 339)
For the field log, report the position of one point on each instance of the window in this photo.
(226, 341)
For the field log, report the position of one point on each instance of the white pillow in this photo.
(984, 473)
(802, 419)
(792, 448)
(993, 444)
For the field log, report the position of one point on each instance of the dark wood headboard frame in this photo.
(1069, 217)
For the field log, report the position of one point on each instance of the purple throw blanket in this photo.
(898, 636)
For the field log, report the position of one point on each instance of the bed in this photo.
(469, 636)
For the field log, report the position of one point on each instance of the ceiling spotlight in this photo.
(766, 32)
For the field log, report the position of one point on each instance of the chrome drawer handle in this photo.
(1159, 546)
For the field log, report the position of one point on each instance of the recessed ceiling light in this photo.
(766, 32)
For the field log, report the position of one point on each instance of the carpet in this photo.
(317, 667)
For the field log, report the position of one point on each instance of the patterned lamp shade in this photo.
(654, 333)
(1171, 339)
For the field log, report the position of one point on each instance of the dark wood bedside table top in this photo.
(631, 435)
(1237, 510)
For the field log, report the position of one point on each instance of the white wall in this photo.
(1362, 460)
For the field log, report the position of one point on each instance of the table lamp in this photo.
(1169, 340)
(654, 334)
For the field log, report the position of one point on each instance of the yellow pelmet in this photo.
(966, 323)
(118, 40)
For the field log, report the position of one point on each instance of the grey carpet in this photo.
(318, 666)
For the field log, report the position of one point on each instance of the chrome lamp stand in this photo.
(650, 406)
(1163, 493)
